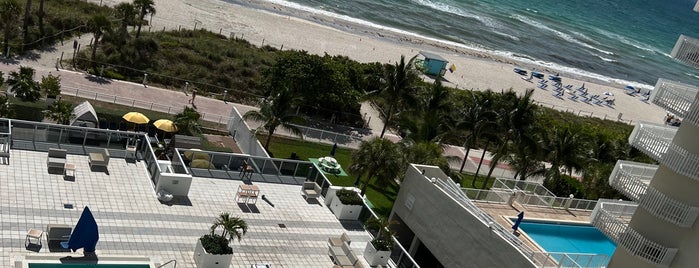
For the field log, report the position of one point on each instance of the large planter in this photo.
(205, 260)
(375, 257)
(345, 212)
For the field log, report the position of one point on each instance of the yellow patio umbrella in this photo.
(165, 125)
(136, 118)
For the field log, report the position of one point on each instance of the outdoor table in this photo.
(247, 192)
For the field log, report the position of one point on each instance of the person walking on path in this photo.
(194, 95)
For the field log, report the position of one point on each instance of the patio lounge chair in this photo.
(310, 190)
(99, 159)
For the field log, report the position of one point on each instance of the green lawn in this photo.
(467, 178)
(382, 197)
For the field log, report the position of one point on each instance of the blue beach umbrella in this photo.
(518, 221)
(85, 235)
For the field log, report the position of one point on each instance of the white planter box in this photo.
(374, 257)
(345, 212)
(205, 260)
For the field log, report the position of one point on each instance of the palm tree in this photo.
(6, 110)
(60, 111)
(429, 119)
(126, 12)
(398, 87)
(41, 15)
(231, 227)
(145, 7)
(51, 85)
(25, 25)
(567, 148)
(187, 121)
(517, 117)
(377, 157)
(477, 118)
(9, 16)
(277, 111)
(23, 84)
(424, 153)
(98, 25)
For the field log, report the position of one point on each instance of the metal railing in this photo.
(607, 218)
(523, 186)
(631, 178)
(677, 98)
(686, 50)
(652, 139)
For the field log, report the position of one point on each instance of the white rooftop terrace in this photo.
(133, 222)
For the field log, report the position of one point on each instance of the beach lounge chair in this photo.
(35, 234)
(310, 190)
(542, 86)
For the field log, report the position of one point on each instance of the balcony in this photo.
(652, 139)
(677, 98)
(631, 178)
(686, 50)
(611, 217)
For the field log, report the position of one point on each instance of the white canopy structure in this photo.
(85, 115)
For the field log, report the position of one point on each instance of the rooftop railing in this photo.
(686, 50)
(608, 218)
(524, 186)
(677, 98)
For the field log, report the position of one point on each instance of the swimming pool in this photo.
(102, 261)
(568, 237)
(75, 265)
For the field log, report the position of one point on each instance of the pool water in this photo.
(568, 238)
(78, 265)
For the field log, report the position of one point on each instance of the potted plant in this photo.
(214, 250)
(378, 250)
(346, 205)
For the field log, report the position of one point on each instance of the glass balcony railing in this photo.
(611, 217)
(677, 98)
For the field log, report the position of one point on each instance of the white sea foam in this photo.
(526, 59)
(560, 34)
(631, 42)
(605, 59)
(490, 22)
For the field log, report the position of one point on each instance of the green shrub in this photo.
(349, 197)
(216, 244)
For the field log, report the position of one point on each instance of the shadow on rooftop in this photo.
(352, 225)
(179, 201)
(248, 208)
(87, 259)
(34, 247)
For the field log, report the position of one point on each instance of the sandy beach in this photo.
(264, 23)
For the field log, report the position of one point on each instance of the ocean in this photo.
(621, 41)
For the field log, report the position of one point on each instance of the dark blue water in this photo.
(619, 41)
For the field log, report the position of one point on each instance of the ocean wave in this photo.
(605, 59)
(520, 57)
(630, 42)
(490, 22)
(558, 33)
(515, 38)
